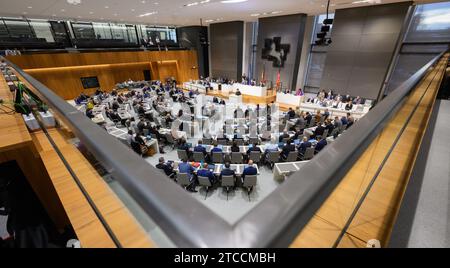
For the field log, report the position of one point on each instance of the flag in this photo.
(278, 80)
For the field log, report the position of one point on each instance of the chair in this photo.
(222, 141)
(182, 155)
(227, 181)
(309, 154)
(205, 182)
(183, 180)
(237, 158)
(199, 157)
(170, 139)
(249, 182)
(255, 157)
(239, 142)
(253, 140)
(292, 156)
(273, 157)
(217, 157)
(325, 133)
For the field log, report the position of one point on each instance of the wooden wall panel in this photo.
(62, 72)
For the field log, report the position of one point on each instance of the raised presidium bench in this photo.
(255, 91)
(282, 170)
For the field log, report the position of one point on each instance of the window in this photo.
(119, 31)
(83, 30)
(19, 28)
(102, 30)
(42, 29)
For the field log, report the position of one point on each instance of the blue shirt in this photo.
(186, 168)
(344, 120)
(320, 145)
(216, 150)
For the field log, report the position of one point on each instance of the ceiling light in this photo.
(91, 12)
(63, 10)
(360, 1)
(25, 13)
(30, 7)
(276, 12)
(254, 15)
(148, 14)
(74, 2)
(204, 1)
(192, 4)
(207, 21)
(156, 3)
(53, 15)
(143, 2)
(232, 1)
(106, 6)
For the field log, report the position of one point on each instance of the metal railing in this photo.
(274, 222)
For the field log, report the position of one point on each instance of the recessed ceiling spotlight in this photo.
(106, 6)
(63, 10)
(276, 12)
(143, 2)
(156, 3)
(192, 4)
(74, 2)
(30, 7)
(148, 14)
(232, 1)
(204, 1)
(254, 15)
(91, 12)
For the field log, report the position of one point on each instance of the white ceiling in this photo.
(169, 12)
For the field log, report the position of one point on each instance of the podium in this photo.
(235, 99)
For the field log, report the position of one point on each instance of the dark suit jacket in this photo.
(227, 172)
(287, 148)
(168, 170)
(303, 146)
(253, 149)
(320, 145)
(319, 131)
(235, 149)
(249, 171)
(200, 149)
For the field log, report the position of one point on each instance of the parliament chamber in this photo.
(302, 128)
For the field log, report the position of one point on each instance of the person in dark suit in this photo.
(249, 170)
(319, 130)
(199, 148)
(227, 171)
(238, 93)
(215, 100)
(291, 113)
(329, 125)
(184, 146)
(321, 143)
(308, 118)
(349, 105)
(254, 148)
(89, 113)
(165, 167)
(303, 146)
(205, 172)
(235, 148)
(222, 101)
(216, 149)
(285, 135)
(287, 149)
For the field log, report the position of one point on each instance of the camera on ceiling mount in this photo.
(322, 39)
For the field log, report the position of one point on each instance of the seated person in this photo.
(287, 149)
(166, 168)
(329, 125)
(89, 113)
(285, 135)
(254, 148)
(321, 143)
(303, 146)
(222, 101)
(291, 113)
(326, 114)
(130, 137)
(237, 93)
(350, 120)
(249, 170)
(215, 100)
(235, 148)
(184, 146)
(349, 105)
(227, 171)
(344, 120)
(318, 117)
(308, 118)
(199, 148)
(319, 131)
(216, 149)
(186, 168)
(205, 172)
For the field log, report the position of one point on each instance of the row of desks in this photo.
(217, 168)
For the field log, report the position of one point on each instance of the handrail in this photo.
(274, 222)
